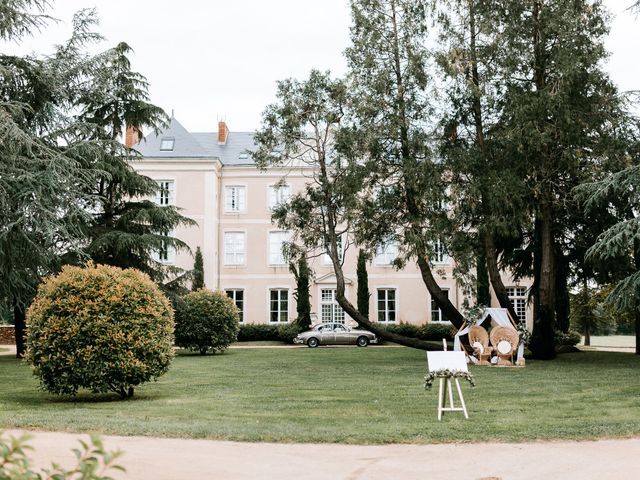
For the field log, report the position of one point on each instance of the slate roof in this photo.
(198, 145)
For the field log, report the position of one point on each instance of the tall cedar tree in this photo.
(126, 228)
(42, 185)
(197, 282)
(485, 185)
(404, 184)
(363, 284)
(303, 129)
(559, 121)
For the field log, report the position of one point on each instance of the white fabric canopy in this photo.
(497, 317)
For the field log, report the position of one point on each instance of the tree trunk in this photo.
(562, 293)
(348, 307)
(587, 333)
(19, 315)
(491, 254)
(483, 291)
(438, 295)
(543, 339)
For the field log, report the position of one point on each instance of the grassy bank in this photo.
(351, 395)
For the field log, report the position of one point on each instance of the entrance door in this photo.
(330, 311)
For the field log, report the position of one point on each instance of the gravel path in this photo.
(147, 458)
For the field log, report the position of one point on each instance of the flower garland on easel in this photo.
(446, 373)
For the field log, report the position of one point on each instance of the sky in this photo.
(211, 60)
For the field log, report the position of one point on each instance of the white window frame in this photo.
(234, 292)
(340, 243)
(238, 204)
(440, 256)
(386, 310)
(434, 309)
(278, 194)
(166, 192)
(276, 257)
(234, 255)
(335, 312)
(166, 256)
(279, 311)
(386, 253)
(518, 297)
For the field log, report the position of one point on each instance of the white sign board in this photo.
(447, 361)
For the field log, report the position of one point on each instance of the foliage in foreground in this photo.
(93, 462)
(100, 328)
(206, 320)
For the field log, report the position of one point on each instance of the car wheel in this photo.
(363, 341)
(313, 342)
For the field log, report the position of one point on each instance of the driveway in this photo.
(147, 458)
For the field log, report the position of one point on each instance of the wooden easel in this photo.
(445, 389)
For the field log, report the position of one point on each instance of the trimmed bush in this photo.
(258, 332)
(206, 321)
(404, 329)
(428, 331)
(288, 332)
(570, 339)
(436, 331)
(99, 328)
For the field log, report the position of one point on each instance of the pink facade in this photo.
(217, 185)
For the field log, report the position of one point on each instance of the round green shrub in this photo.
(206, 320)
(100, 328)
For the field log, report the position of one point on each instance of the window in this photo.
(436, 313)
(386, 253)
(234, 248)
(326, 259)
(279, 305)
(278, 194)
(386, 305)
(518, 297)
(166, 144)
(330, 311)
(165, 253)
(243, 156)
(237, 296)
(165, 192)
(439, 252)
(276, 241)
(235, 198)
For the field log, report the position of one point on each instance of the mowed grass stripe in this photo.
(350, 395)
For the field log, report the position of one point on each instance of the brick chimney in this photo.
(131, 136)
(223, 133)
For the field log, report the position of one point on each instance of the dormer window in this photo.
(243, 156)
(166, 144)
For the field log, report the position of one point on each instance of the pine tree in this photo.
(363, 284)
(42, 185)
(197, 282)
(126, 228)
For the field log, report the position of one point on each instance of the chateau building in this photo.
(215, 182)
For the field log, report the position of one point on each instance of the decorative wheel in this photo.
(363, 341)
(313, 342)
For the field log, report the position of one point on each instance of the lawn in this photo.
(350, 395)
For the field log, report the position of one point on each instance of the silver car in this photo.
(335, 334)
